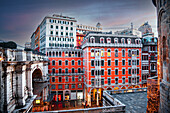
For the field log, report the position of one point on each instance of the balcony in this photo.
(64, 74)
(111, 45)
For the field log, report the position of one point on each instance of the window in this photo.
(116, 53)
(72, 70)
(52, 86)
(73, 86)
(129, 53)
(144, 57)
(116, 80)
(92, 82)
(56, 27)
(116, 71)
(66, 79)
(137, 70)
(123, 71)
(129, 80)
(92, 62)
(102, 53)
(53, 79)
(123, 80)
(102, 81)
(79, 70)
(137, 79)
(66, 62)
(129, 62)
(115, 40)
(79, 85)
(67, 86)
(53, 70)
(92, 53)
(129, 71)
(51, 32)
(71, 23)
(108, 52)
(102, 62)
(137, 52)
(59, 62)
(123, 62)
(109, 71)
(51, 26)
(108, 40)
(92, 40)
(59, 79)
(137, 61)
(129, 41)
(102, 40)
(66, 70)
(123, 41)
(79, 62)
(71, 28)
(53, 62)
(133, 62)
(92, 72)
(72, 62)
(79, 78)
(109, 81)
(102, 71)
(109, 62)
(61, 27)
(123, 53)
(116, 62)
(152, 57)
(73, 78)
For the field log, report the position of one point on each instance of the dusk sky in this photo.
(19, 18)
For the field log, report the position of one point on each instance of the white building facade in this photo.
(57, 31)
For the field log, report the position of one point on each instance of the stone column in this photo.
(29, 84)
(20, 84)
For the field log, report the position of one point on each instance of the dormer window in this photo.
(92, 52)
(116, 40)
(102, 40)
(108, 40)
(137, 41)
(129, 41)
(92, 40)
(123, 41)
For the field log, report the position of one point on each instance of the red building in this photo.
(66, 74)
(110, 62)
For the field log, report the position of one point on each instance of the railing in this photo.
(127, 90)
(63, 74)
(112, 45)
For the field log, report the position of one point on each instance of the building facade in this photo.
(145, 28)
(66, 73)
(163, 15)
(149, 57)
(37, 38)
(110, 62)
(57, 31)
(20, 69)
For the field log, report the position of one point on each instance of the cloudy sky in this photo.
(19, 18)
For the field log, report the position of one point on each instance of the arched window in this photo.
(92, 40)
(92, 52)
(53, 71)
(108, 40)
(129, 53)
(72, 62)
(59, 62)
(79, 70)
(102, 52)
(116, 40)
(66, 70)
(53, 62)
(123, 53)
(50, 53)
(72, 70)
(129, 41)
(123, 41)
(53, 53)
(56, 54)
(60, 70)
(102, 40)
(66, 54)
(108, 52)
(116, 53)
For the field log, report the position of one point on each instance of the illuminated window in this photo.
(79, 85)
(79, 78)
(102, 52)
(108, 52)
(92, 52)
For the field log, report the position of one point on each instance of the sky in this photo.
(20, 18)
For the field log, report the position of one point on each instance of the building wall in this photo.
(37, 38)
(163, 12)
